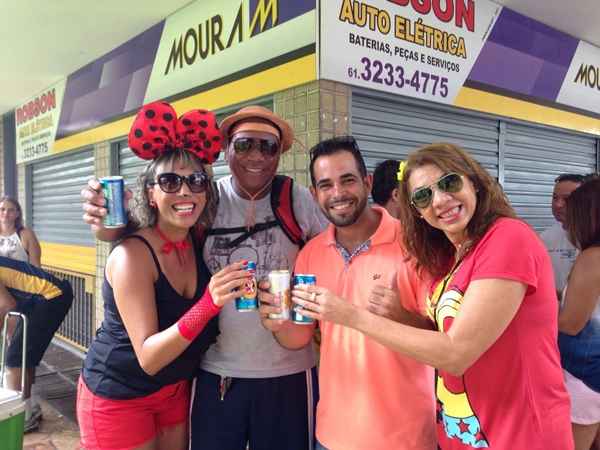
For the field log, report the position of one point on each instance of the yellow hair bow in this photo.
(401, 169)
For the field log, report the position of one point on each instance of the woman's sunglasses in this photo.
(422, 197)
(267, 147)
(172, 182)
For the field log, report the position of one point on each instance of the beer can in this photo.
(280, 286)
(248, 301)
(114, 191)
(297, 317)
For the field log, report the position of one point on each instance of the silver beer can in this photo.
(280, 287)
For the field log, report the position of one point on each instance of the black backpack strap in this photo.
(246, 233)
(282, 204)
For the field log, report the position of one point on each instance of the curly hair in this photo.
(19, 220)
(430, 247)
(583, 215)
(143, 215)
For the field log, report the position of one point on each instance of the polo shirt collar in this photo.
(386, 232)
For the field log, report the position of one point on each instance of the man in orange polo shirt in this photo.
(370, 397)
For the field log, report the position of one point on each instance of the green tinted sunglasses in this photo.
(422, 197)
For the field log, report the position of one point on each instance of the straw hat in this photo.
(258, 118)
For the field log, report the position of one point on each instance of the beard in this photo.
(345, 220)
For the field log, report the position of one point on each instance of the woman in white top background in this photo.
(20, 243)
(579, 318)
(16, 240)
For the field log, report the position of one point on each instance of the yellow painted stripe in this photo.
(293, 73)
(520, 109)
(69, 257)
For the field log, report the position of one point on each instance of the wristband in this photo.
(195, 319)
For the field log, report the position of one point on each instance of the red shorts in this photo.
(126, 424)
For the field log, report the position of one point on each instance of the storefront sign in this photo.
(36, 122)
(417, 48)
(581, 88)
(211, 39)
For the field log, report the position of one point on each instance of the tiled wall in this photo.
(318, 110)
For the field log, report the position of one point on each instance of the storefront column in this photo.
(21, 190)
(317, 111)
(102, 165)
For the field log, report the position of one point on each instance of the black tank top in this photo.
(111, 368)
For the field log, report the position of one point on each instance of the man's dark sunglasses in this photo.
(422, 197)
(267, 147)
(171, 182)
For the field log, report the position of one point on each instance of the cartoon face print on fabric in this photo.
(453, 405)
(8, 247)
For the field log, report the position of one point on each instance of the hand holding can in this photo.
(280, 286)
(113, 189)
(248, 300)
(297, 317)
(269, 305)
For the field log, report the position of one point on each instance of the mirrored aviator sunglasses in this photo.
(171, 183)
(450, 183)
(267, 147)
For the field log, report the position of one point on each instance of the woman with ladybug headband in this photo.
(159, 297)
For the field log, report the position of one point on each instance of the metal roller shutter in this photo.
(525, 158)
(533, 157)
(56, 201)
(130, 166)
(390, 128)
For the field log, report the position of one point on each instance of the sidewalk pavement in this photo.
(56, 386)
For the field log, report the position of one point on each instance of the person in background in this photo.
(370, 397)
(159, 296)
(19, 243)
(45, 301)
(579, 317)
(562, 251)
(385, 186)
(499, 383)
(249, 389)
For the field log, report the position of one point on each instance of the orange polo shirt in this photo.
(370, 396)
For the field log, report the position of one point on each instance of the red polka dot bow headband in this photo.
(156, 129)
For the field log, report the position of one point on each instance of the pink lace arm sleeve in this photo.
(195, 319)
